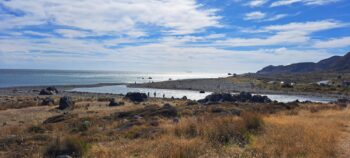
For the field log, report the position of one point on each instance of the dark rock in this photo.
(343, 102)
(184, 98)
(136, 97)
(242, 97)
(48, 91)
(47, 101)
(66, 102)
(149, 111)
(201, 91)
(115, 103)
(45, 92)
(52, 89)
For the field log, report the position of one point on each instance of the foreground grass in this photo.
(308, 130)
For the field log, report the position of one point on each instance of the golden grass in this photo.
(311, 130)
(305, 135)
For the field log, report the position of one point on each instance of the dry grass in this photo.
(304, 135)
(311, 130)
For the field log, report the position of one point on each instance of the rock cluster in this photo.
(136, 96)
(47, 101)
(66, 103)
(227, 97)
(48, 91)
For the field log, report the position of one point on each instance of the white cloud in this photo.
(256, 3)
(306, 2)
(263, 17)
(169, 55)
(288, 34)
(254, 15)
(333, 43)
(311, 26)
(113, 17)
(33, 33)
(276, 17)
(73, 33)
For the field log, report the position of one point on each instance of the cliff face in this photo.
(332, 64)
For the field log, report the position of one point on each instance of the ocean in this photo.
(18, 77)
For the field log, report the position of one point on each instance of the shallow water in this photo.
(193, 95)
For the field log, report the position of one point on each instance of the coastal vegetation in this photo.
(177, 128)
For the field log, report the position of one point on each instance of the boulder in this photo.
(48, 91)
(227, 97)
(343, 102)
(47, 101)
(66, 102)
(52, 89)
(136, 96)
(244, 97)
(184, 98)
(115, 103)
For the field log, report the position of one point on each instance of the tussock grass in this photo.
(305, 135)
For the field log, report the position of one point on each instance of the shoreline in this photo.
(205, 84)
(63, 89)
(220, 85)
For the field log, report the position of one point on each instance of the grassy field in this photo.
(186, 130)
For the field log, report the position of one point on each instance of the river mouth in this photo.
(190, 94)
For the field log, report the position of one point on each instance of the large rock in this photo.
(66, 103)
(242, 97)
(136, 96)
(47, 101)
(48, 91)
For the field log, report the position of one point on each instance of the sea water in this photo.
(16, 77)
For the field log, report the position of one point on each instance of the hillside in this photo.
(332, 64)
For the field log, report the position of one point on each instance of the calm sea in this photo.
(16, 77)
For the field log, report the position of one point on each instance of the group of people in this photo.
(154, 94)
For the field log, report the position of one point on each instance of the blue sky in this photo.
(170, 35)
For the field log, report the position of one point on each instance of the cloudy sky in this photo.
(170, 35)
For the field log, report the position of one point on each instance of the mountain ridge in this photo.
(332, 64)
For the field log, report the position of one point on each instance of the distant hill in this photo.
(332, 64)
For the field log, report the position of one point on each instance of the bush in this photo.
(223, 131)
(69, 146)
(252, 122)
(181, 148)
